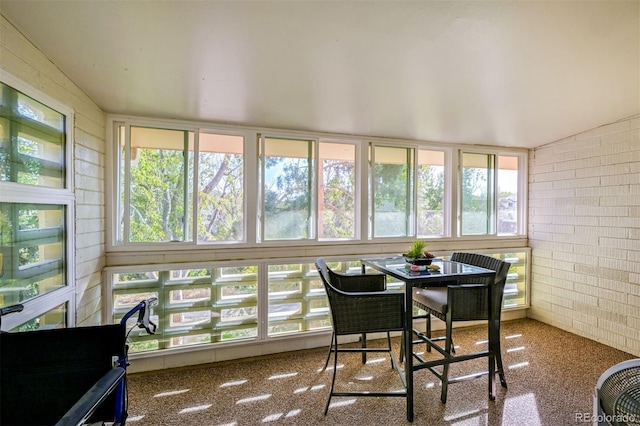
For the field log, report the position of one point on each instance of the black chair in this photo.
(360, 313)
(466, 300)
(67, 376)
(356, 283)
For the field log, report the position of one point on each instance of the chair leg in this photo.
(326, 363)
(445, 368)
(428, 331)
(498, 354)
(390, 349)
(334, 341)
(503, 381)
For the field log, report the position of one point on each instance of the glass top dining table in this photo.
(448, 273)
(447, 270)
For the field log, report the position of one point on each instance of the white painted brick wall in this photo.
(23, 60)
(584, 230)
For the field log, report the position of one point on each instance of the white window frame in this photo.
(12, 192)
(522, 188)
(449, 185)
(360, 204)
(253, 225)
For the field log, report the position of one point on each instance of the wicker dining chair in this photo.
(358, 313)
(356, 283)
(466, 300)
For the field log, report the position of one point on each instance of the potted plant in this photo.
(417, 254)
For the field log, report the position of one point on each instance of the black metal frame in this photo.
(67, 376)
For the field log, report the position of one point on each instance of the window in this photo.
(477, 192)
(156, 184)
(431, 212)
(208, 304)
(297, 300)
(54, 318)
(337, 192)
(279, 198)
(185, 185)
(508, 204)
(195, 305)
(35, 208)
(157, 179)
(220, 203)
(489, 188)
(32, 148)
(392, 191)
(32, 241)
(287, 188)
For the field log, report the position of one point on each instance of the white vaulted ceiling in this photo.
(479, 72)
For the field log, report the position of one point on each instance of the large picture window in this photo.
(187, 185)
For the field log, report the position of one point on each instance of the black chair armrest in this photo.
(469, 301)
(90, 401)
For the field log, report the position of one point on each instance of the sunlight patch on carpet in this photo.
(234, 383)
(171, 393)
(254, 398)
(293, 413)
(134, 418)
(307, 388)
(283, 376)
(272, 418)
(330, 367)
(194, 409)
(463, 414)
(343, 403)
(518, 365)
(522, 408)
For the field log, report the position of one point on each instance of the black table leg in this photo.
(408, 348)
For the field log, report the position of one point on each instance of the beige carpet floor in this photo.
(550, 373)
